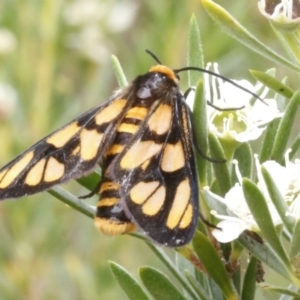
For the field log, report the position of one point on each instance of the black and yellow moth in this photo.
(142, 138)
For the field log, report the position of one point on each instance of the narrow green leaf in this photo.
(285, 128)
(213, 265)
(273, 83)
(281, 290)
(195, 53)
(264, 253)
(259, 208)
(237, 31)
(236, 279)
(201, 292)
(268, 142)
(295, 243)
(211, 199)
(215, 290)
(220, 169)
(129, 285)
(91, 181)
(244, 156)
(278, 200)
(159, 286)
(288, 39)
(169, 264)
(183, 264)
(249, 284)
(72, 201)
(295, 146)
(119, 72)
(200, 127)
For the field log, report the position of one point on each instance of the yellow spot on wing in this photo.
(155, 202)
(76, 150)
(62, 136)
(145, 164)
(187, 217)
(2, 174)
(15, 170)
(129, 128)
(109, 186)
(90, 141)
(173, 158)
(161, 119)
(180, 202)
(110, 112)
(54, 170)
(115, 149)
(139, 113)
(35, 175)
(113, 227)
(139, 153)
(108, 201)
(141, 191)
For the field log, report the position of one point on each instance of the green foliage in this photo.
(60, 66)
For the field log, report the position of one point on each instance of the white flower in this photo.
(239, 216)
(284, 12)
(117, 16)
(279, 11)
(92, 20)
(8, 41)
(287, 181)
(122, 15)
(82, 12)
(8, 100)
(90, 42)
(240, 125)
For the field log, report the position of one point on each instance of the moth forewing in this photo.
(142, 138)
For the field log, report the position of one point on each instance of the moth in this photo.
(142, 138)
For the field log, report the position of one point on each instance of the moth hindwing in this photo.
(142, 139)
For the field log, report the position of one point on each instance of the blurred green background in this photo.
(54, 65)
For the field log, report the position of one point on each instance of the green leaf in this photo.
(119, 72)
(287, 35)
(201, 292)
(273, 83)
(215, 290)
(169, 264)
(184, 264)
(91, 181)
(200, 127)
(285, 128)
(278, 200)
(295, 243)
(268, 142)
(211, 199)
(263, 252)
(195, 53)
(213, 265)
(249, 284)
(220, 169)
(129, 285)
(295, 146)
(281, 290)
(72, 201)
(244, 156)
(259, 208)
(159, 286)
(237, 31)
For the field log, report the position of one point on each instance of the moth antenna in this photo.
(222, 77)
(153, 56)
